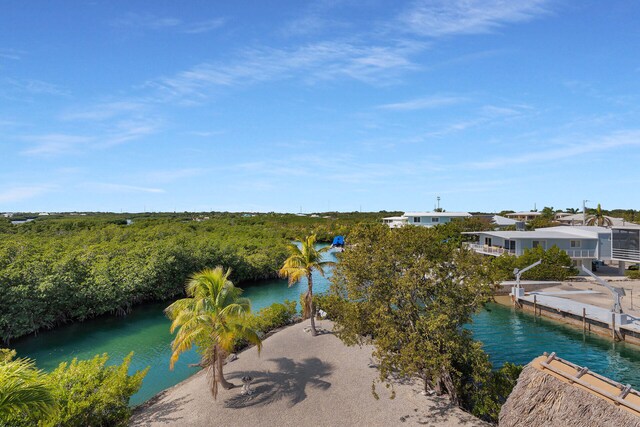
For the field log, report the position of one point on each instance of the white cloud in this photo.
(126, 131)
(121, 188)
(136, 21)
(311, 62)
(170, 175)
(104, 111)
(564, 151)
(204, 26)
(16, 194)
(54, 144)
(423, 103)
(437, 18)
(30, 86)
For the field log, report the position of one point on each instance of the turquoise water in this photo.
(508, 335)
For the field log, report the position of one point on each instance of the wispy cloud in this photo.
(424, 103)
(16, 194)
(30, 86)
(54, 144)
(129, 130)
(311, 62)
(12, 54)
(104, 111)
(437, 18)
(566, 150)
(203, 26)
(149, 22)
(171, 175)
(120, 188)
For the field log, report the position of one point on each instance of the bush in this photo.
(556, 265)
(92, 394)
(633, 274)
(274, 316)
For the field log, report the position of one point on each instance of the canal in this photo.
(507, 335)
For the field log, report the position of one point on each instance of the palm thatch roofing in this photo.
(542, 397)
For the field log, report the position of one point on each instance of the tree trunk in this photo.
(312, 309)
(219, 375)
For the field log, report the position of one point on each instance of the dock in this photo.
(619, 326)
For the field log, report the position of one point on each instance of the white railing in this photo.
(581, 253)
(626, 254)
(489, 250)
(497, 250)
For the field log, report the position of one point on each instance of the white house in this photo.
(523, 216)
(395, 221)
(424, 219)
(582, 243)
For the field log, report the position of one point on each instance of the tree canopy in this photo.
(409, 292)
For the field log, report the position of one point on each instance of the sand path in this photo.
(299, 380)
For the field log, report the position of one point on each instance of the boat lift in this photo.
(517, 291)
(617, 293)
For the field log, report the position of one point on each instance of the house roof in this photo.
(395, 218)
(579, 218)
(562, 232)
(502, 221)
(438, 214)
(523, 213)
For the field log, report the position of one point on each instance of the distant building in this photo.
(395, 221)
(523, 216)
(424, 219)
(578, 219)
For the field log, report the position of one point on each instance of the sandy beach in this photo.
(300, 380)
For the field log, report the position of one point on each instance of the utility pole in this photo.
(438, 199)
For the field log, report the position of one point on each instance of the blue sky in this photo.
(325, 105)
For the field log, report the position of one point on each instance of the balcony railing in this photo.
(497, 251)
(626, 254)
(489, 250)
(581, 253)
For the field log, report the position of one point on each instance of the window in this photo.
(575, 243)
(435, 219)
(487, 241)
(416, 219)
(540, 243)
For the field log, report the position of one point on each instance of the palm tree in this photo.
(302, 261)
(23, 391)
(213, 318)
(599, 218)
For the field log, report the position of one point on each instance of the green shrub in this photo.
(633, 274)
(274, 316)
(89, 393)
(556, 265)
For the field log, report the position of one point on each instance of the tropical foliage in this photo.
(213, 318)
(60, 269)
(409, 292)
(305, 258)
(76, 394)
(275, 316)
(24, 391)
(556, 265)
(598, 217)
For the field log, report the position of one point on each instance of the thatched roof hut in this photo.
(556, 393)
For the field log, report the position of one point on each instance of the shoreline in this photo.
(313, 380)
(560, 318)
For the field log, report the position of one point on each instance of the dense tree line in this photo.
(67, 268)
